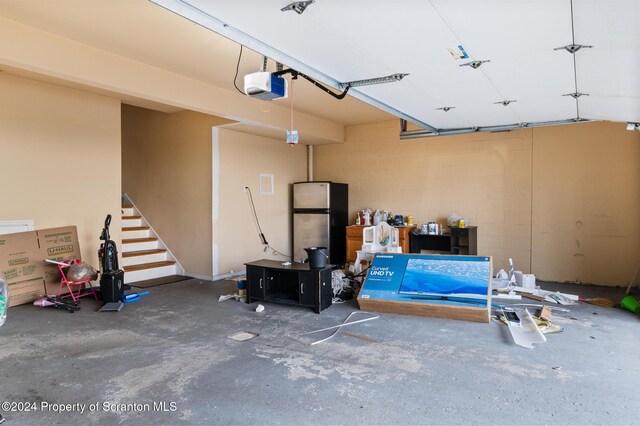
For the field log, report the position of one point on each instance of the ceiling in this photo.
(141, 30)
(340, 41)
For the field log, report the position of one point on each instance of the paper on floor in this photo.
(526, 333)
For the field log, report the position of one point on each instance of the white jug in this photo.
(377, 217)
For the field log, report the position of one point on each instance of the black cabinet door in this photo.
(255, 277)
(271, 285)
(326, 291)
(308, 288)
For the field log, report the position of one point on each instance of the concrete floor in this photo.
(172, 348)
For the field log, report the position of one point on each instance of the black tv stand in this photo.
(459, 241)
(295, 284)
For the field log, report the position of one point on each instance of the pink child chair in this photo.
(80, 284)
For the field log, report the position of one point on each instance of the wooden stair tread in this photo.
(131, 217)
(135, 228)
(151, 265)
(138, 240)
(143, 252)
(127, 207)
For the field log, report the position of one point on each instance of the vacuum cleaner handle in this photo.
(105, 231)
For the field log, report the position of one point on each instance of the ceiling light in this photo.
(445, 109)
(474, 64)
(504, 103)
(379, 80)
(633, 126)
(573, 48)
(576, 95)
(298, 6)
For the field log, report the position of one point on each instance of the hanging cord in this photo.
(291, 96)
(237, 68)
(263, 239)
(325, 89)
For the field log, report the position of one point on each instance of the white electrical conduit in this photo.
(310, 163)
(338, 327)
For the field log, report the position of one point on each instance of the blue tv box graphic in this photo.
(455, 287)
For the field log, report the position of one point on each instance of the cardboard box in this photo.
(452, 287)
(22, 263)
(25, 292)
(57, 244)
(19, 267)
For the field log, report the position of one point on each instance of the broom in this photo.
(597, 301)
(604, 302)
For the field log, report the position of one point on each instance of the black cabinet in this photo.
(464, 240)
(295, 284)
(308, 297)
(459, 241)
(256, 281)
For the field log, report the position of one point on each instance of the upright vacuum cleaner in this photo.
(112, 284)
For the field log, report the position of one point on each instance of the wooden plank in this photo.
(143, 252)
(138, 240)
(148, 266)
(463, 313)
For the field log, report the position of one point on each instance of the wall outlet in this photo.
(245, 188)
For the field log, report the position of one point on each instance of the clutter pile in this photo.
(43, 267)
(367, 217)
(241, 295)
(57, 303)
(527, 329)
(513, 286)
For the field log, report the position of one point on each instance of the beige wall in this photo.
(37, 51)
(240, 161)
(166, 171)
(586, 203)
(60, 159)
(565, 174)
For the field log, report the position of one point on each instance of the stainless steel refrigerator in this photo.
(320, 215)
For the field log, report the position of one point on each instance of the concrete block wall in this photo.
(507, 184)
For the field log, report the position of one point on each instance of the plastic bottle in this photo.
(377, 217)
(367, 217)
(4, 301)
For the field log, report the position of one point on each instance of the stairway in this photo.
(144, 255)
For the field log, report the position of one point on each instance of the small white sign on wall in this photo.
(266, 184)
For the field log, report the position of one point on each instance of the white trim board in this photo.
(14, 226)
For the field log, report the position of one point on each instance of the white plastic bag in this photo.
(454, 220)
(4, 301)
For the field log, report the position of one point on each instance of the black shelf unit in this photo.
(295, 284)
(459, 241)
